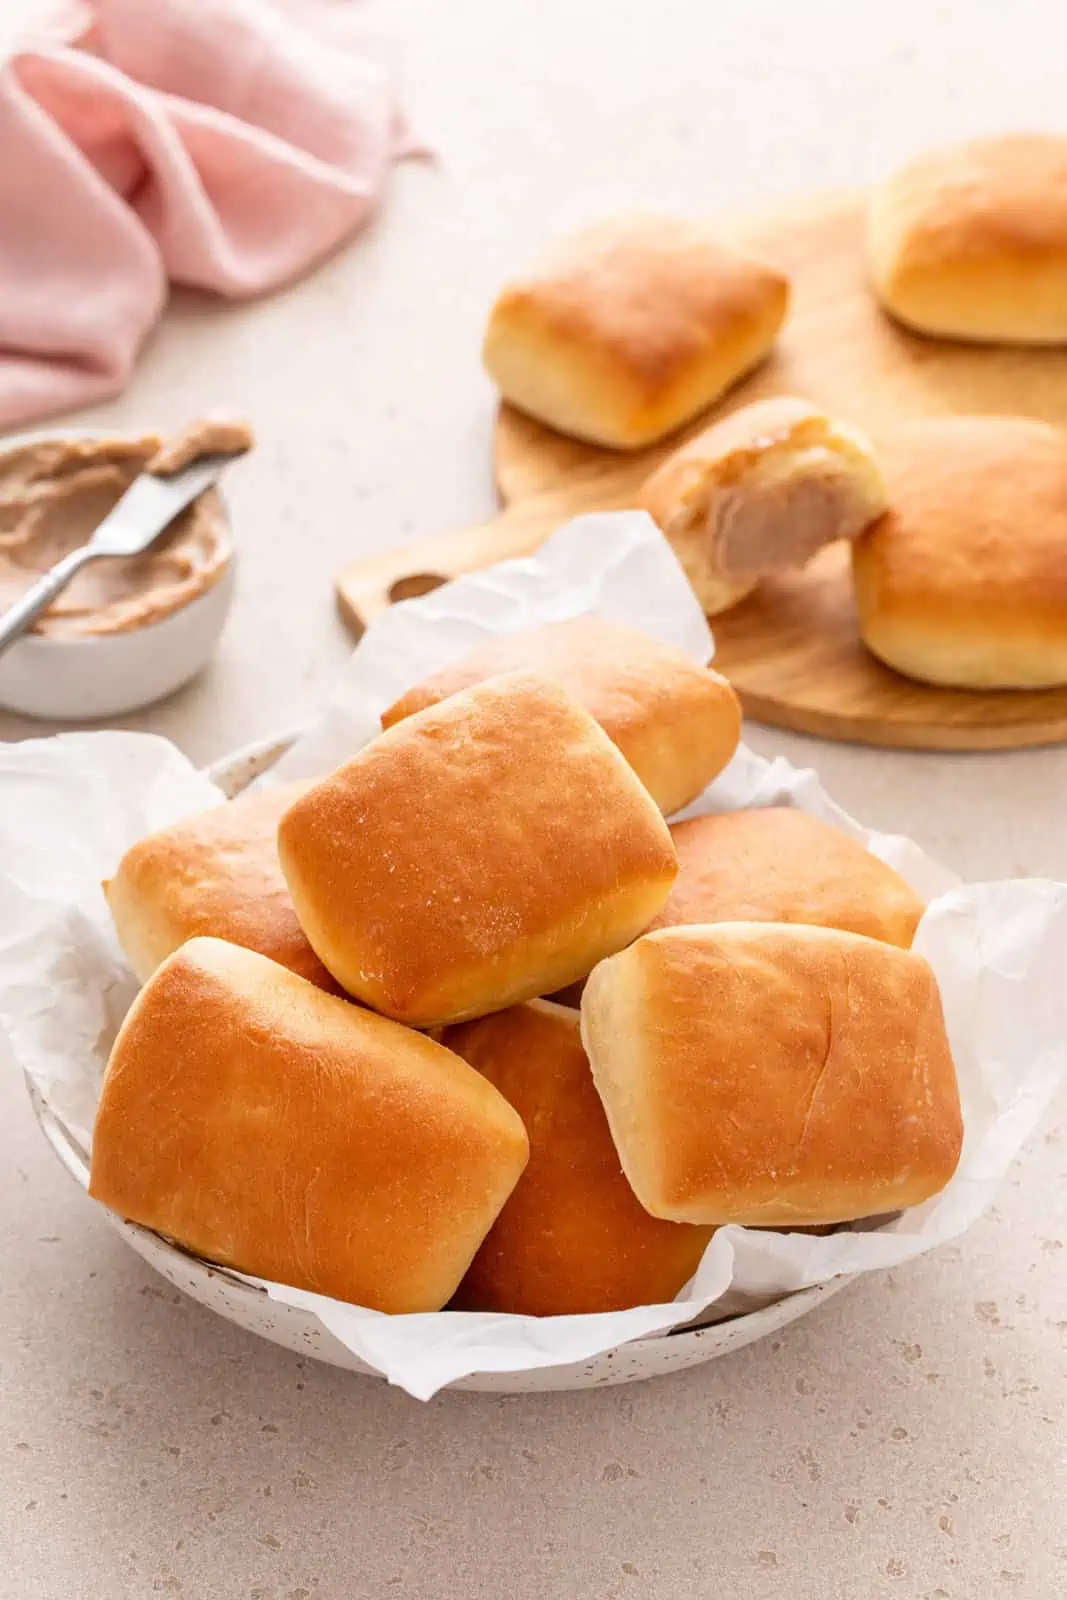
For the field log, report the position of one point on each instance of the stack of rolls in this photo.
(342, 1072)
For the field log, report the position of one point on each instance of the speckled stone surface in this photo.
(907, 1441)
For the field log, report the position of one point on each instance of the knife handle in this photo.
(28, 607)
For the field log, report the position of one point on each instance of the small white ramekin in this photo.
(98, 676)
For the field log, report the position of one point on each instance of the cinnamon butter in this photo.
(54, 492)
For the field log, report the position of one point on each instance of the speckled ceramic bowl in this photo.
(251, 1307)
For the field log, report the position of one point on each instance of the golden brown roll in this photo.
(964, 581)
(217, 874)
(773, 1075)
(676, 723)
(776, 864)
(762, 491)
(572, 1238)
(971, 242)
(781, 865)
(484, 851)
(630, 327)
(285, 1132)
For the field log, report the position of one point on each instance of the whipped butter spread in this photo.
(54, 492)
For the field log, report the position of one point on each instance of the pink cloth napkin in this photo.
(228, 144)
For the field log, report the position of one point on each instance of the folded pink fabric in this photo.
(228, 144)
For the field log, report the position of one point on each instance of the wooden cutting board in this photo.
(792, 650)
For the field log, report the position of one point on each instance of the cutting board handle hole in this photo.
(414, 584)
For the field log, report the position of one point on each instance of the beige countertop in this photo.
(908, 1440)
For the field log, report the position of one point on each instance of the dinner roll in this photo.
(762, 491)
(777, 864)
(484, 851)
(297, 1137)
(572, 1238)
(676, 723)
(780, 865)
(971, 242)
(214, 873)
(964, 582)
(773, 1075)
(630, 327)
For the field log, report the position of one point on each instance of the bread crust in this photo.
(572, 1239)
(292, 1135)
(970, 242)
(778, 864)
(773, 1076)
(963, 582)
(677, 724)
(630, 327)
(481, 852)
(214, 874)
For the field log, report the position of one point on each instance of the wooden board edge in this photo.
(882, 734)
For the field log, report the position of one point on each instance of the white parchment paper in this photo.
(70, 806)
